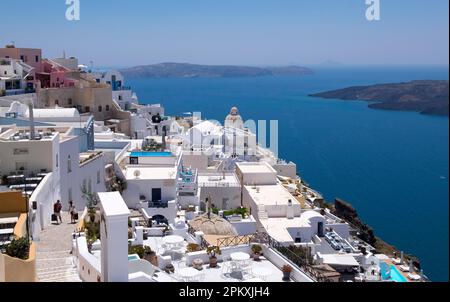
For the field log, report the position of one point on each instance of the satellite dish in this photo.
(137, 173)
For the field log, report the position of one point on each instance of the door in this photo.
(156, 195)
(320, 229)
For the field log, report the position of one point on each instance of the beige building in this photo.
(89, 97)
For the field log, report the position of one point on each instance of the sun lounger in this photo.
(404, 268)
(414, 277)
(396, 261)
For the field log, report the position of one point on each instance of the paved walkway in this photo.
(54, 263)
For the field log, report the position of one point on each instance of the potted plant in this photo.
(92, 213)
(287, 269)
(213, 251)
(150, 256)
(256, 249)
(90, 242)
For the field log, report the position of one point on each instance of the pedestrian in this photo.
(73, 212)
(57, 207)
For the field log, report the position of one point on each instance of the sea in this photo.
(392, 166)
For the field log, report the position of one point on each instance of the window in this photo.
(120, 97)
(22, 58)
(37, 59)
(57, 160)
(107, 107)
(99, 108)
(98, 177)
(21, 166)
(56, 102)
(87, 109)
(69, 101)
(69, 165)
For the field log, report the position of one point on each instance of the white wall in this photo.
(87, 173)
(225, 198)
(137, 187)
(89, 266)
(41, 155)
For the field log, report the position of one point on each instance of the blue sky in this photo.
(251, 32)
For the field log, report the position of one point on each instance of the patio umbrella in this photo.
(401, 257)
(411, 267)
(421, 273)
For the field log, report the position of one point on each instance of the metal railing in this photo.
(235, 240)
(300, 261)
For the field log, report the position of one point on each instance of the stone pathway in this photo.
(54, 263)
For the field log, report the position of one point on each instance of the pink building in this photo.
(54, 75)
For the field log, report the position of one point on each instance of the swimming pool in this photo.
(395, 275)
(150, 154)
(133, 257)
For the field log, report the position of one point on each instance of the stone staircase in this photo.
(56, 266)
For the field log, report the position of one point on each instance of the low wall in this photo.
(279, 261)
(89, 267)
(18, 270)
(20, 229)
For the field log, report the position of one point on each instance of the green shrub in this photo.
(19, 248)
(137, 249)
(193, 247)
(92, 229)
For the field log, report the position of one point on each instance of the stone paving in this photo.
(54, 263)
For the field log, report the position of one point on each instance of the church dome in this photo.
(233, 119)
(212, 226)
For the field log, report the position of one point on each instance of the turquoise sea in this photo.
(392, 166)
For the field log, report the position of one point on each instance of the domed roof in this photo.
(234, 111)
(213, 226)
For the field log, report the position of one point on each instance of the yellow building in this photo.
(13, 212)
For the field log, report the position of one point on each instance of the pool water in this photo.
(151, 154)
(133, 257)
(395, 275)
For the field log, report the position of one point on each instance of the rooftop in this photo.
(270, 195)
(150, 173)
(255, 167)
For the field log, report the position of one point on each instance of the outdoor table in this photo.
(173, 241)
(261, 273)
(240, 257)
(189, 274)
(239, 261)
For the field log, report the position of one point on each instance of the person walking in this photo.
(73, 212)
(57, 207)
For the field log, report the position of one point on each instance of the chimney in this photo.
(31, 115)
(290, 210)
(164, 131)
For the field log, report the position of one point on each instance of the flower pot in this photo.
(212, 262)
(286, 276)
(256, 256)
(152, 258)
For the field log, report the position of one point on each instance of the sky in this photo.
(241, 32)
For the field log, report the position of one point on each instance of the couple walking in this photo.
(57, 208)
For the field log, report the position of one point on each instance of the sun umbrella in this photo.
(401, 257)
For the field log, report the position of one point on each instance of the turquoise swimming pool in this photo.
(150, 154)
(394, 275)
(133, 257)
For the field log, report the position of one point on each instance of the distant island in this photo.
(184, 70)
(426, 97)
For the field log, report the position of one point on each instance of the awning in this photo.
(339, 260)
